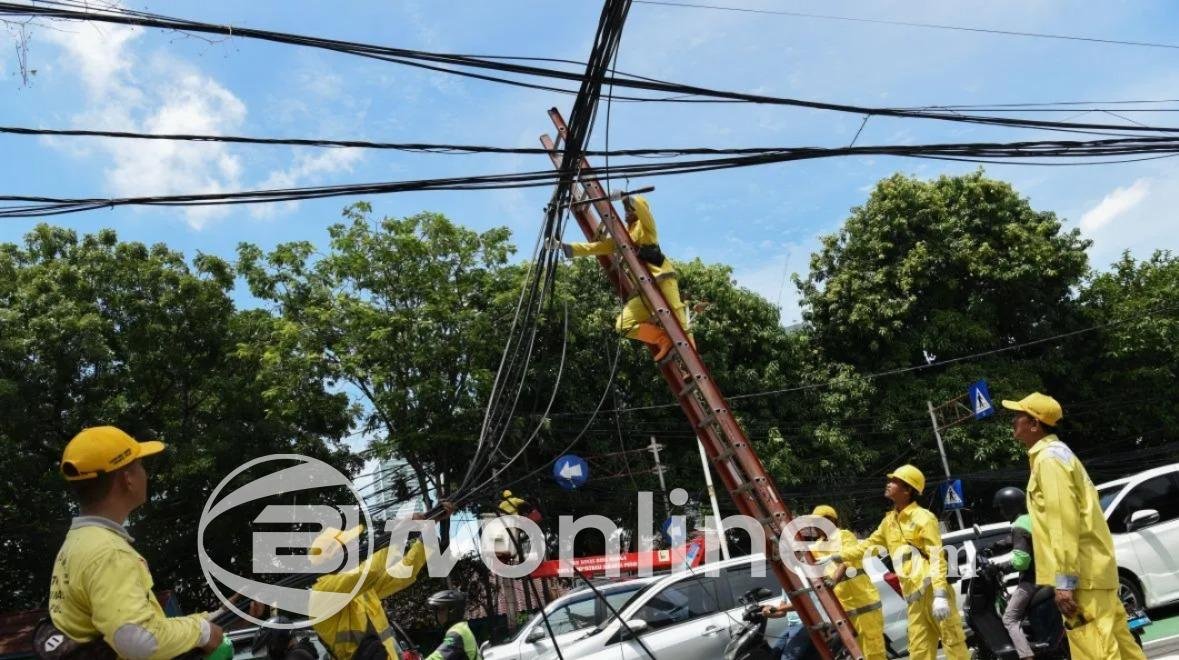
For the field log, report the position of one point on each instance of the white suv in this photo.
(1143, 515)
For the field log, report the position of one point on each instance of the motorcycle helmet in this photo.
(1011, 502)
(451, 601)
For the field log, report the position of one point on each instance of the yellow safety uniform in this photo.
(1074, 550)
(921, 579)
(860, 600)
(642, 232)
(343, 631)
(101, 588)
(510, 506)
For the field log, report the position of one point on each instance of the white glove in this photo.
(552, 243)
(830, 559)
(941, 608)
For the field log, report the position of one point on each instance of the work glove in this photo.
(830, 559)
(941, 608)
(552, 243)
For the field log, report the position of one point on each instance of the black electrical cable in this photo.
(421, 59)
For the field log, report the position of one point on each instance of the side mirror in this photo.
(1142, 518)
(637, 627)
(536, 634)
(762, 593)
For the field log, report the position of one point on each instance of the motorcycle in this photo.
(984, 603)
(749, 641)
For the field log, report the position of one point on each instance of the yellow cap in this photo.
(1041, 406)
(101, 449)
(910, 475)
(825, 511)
(507, 494)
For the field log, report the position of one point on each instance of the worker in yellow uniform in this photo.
(100, 593)
(511, 505)
(911, 532)
(1070, 538)
(854, 589)
(361, 629)
(634, 321)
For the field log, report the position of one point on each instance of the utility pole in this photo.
(941, 449)
(654, 448)
(720, 528)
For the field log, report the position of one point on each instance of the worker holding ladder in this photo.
(635, 319)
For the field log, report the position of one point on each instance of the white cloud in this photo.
(309, 167)
(1116, 204)
(126, 91)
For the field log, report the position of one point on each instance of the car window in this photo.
(740, 580)
(1105, 496)
(573, 616)
(1158, 493)
(616, 600)
(681, 602)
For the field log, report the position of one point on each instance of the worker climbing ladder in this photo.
(734, 459)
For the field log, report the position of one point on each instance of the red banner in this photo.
(691, 554)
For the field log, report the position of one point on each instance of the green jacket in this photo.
(458, 644)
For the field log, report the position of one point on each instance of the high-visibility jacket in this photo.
(855, 593)
(101, 588)
(642, 231)
(1070, 538)
(510, 506)
(458, 644)
(916, 527)
(342, 632)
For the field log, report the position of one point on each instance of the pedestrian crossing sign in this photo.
(953, 499)
(978, 395)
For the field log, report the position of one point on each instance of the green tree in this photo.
(403, 314)
(97, 331)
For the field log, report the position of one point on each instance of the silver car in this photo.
(686, 615)
(569, 616)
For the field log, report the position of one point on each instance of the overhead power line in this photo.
(1155, 147)
(913, 24)
(447, 63)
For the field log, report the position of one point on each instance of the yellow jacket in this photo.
(916, 527)
(642, 231)
(101, 588)
(853, 593)
(511, 506)
(342, 632)
(1070, 538)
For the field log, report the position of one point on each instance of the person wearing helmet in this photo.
(635, 319)
(1072, 546)
(450, 608)
(511, 505)
(854, 588)
(911, 531)
(1012, 504)
(100, 592)
(361, 629)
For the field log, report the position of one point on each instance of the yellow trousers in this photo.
(870, 634)
(1105, 635)
(635, 311)
(924, 630)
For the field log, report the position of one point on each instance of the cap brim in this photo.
(1013, 405)
(150, 448)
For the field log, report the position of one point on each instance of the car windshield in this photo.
(577, 614)
(619, 608)
(1106, 496)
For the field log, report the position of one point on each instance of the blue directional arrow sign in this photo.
(952, 495)
(978, 396)
(570, 472)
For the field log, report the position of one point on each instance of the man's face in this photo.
(136, 481)
(1024, 427)
(440, 616)
(894, 489)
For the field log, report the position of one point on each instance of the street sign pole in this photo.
(941, 449)
(654, 448)
(720, 528)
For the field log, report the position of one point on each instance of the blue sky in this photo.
(762, 221)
